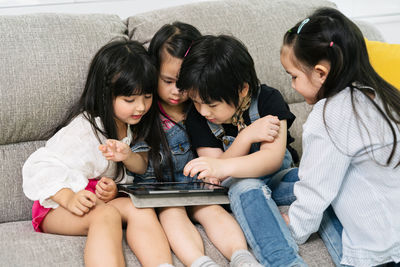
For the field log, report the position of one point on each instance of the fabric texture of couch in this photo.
(45, 58)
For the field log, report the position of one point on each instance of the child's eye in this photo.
(167, 81)
(212, 105)
(148, 96)
(294, 77)
(129, 100)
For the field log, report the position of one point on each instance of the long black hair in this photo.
(217, 67)
(119, 68)
(175, 39)
(330, 35)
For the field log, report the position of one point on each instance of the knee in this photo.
(106, 213)
(241, 186)
(166, 214)
(206, 212)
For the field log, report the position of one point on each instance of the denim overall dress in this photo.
(181, 153)
(254, 205)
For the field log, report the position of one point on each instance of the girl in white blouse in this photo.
(71, 178)
(351, 140)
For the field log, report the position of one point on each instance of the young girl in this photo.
(351, 141)
(73, 185)
(219, 75)
(168, 47)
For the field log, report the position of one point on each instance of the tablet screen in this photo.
(172, 188)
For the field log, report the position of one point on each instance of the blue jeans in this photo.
(257, 213)
(330, 231)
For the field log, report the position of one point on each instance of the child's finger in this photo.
(85, 202)
(99, 196)
(102, 148)
(90, 196)
(99, 190)
(274, 127)
(82, 207)
(275, 120)
(108, 154)
(203, 174)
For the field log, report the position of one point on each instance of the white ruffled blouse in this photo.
(68, 160)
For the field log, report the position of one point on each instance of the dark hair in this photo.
(120, 68)
(174, 39)
(330, 35)
(217, 67)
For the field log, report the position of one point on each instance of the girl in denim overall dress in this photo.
(219, 76)
(168, 48)
(349, 172)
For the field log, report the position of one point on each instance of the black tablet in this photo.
(164, 188)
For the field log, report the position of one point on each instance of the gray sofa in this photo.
(44, 60)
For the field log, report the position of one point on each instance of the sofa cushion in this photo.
(44, 60)
(22, 246)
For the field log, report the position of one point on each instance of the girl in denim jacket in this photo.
(168, 48)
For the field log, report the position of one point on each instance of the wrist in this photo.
(244, 137)
(63, 197)
(128, 157)
(227, 169)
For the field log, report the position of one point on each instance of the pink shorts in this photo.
(39, 212)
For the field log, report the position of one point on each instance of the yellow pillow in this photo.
(385, 59)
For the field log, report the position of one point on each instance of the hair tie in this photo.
(187, 51)
(331, 44)
(302, 24)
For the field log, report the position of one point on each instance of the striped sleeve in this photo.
(321, 173)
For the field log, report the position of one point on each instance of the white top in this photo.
(68, 160)
(336, 170)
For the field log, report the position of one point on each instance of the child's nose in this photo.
(204, 111)
(141, 105)
(175, 90)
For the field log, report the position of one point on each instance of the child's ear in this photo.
(245, 90)
(322, 70)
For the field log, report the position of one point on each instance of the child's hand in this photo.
(115, 150)
(285, 218)
(106, 189)
(81, 202)
(205, 167)
(212, 181)
(264, 129)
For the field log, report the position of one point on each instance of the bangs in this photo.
(210, 83)
(134, 78)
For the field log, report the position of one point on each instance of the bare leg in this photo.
(144, 233)
(183, 236)
(221, 228)
(103, 228)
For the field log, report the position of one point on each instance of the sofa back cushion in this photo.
(45, 58)
(259, 24)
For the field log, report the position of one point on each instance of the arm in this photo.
(66, 161)
(321, 172)
(77, 203)
(252, 165)
(117, 151)
(264, 129)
